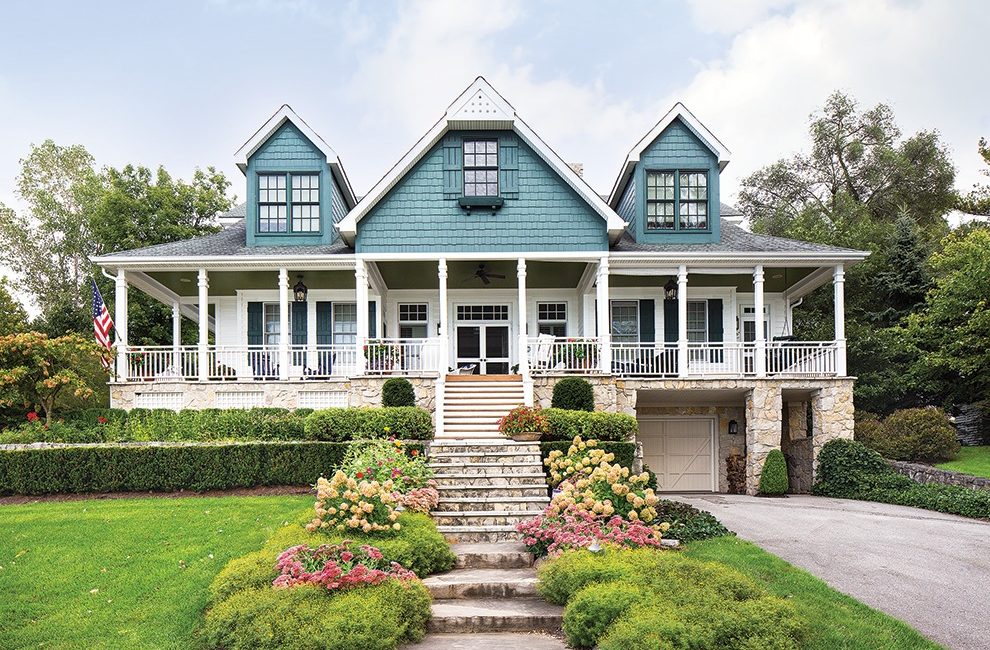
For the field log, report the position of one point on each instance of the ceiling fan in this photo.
(485, 276)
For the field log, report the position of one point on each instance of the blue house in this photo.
(484, 268)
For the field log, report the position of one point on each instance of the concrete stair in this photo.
(472, 406)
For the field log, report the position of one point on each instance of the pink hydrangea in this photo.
(550, 534)
(336, 567)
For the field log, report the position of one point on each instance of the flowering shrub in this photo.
(343, 502)
(580, 459)
(522, 419)
(388, 460)
(551, 534)
(336, 567)
(608, 490)
(423, 499)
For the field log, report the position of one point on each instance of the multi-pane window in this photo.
(625, 321)
(660, 201)
(483, 312)
(281, 196)
(272, 208)
(413, 320)
(344, 323)
(480, 168)
(697, 321)
(551, 318)
(305, 202)
(273, 323)
(694, 201)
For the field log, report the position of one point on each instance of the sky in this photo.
(183, 84)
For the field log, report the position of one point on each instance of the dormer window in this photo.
(480, 167)
(281, 195)
(676, 200)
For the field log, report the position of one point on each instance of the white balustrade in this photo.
(402, 356)
(161, 363)
(548, 354)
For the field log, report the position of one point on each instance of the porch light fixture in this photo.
(733, 427)
(670, 289)
(300, 290)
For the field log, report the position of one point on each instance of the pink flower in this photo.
(32, 417)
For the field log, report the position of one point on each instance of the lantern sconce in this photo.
(300, 290)
(670, 289)
(733, 427)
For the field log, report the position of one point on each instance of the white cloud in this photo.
(724, 17)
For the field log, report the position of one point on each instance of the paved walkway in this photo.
(928, 569)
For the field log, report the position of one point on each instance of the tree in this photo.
(38, 370)
(13, 318)
(978, 200)
(952, 330)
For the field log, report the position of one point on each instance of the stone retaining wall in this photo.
(928, 474)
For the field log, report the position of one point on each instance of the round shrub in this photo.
(687, 523)
(574, 394)
(592, 610)
(398, 391)
(564, 576)
(773, 478)
(919, 434)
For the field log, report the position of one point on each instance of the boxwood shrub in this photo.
(573, 393)
(340, 424)
(564, 424)
(773, 478)
(198, 467)
(398, 391)
(916, 435)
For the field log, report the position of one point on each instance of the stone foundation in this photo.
(796, 445)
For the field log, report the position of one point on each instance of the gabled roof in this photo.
(479, 107)
(681, 112)
(274, 123)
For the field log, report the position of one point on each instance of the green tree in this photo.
(13, 318)
(978, 200)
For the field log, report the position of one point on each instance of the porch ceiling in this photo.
(460, 274)
(777, 279)
(224, 283)
(698, 397)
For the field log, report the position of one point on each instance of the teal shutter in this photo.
(508, 167)
(670, 321)
(372, 320)
(453, 174)
(324, 323)
(300, 316)
(256, 323)
(715, 328)
(647, 328)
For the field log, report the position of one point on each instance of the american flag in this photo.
(102, 323)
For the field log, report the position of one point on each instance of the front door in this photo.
(486, 347)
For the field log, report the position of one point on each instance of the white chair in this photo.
(542, 352)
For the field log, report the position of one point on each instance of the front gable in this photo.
(539, 210)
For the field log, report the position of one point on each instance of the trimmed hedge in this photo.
(849, 470)
(773, 478)
(341, 424)
(625, 452)
(923, 435)
(563, 424)
(166, 468)
(398, 391)
(573, 393)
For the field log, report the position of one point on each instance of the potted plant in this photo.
(523, 424)
(381, 356)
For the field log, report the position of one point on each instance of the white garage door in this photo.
(680, 453)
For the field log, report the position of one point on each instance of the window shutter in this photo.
(324, 323)
(300, 316)
(508, 167)
(647, 328)
(453, 183)
(670, 321)
(256, 323)
(715, 333)
(372, 320)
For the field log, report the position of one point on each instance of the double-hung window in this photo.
(551, 318)
(281, 196)
(481, 167)
(273, 323)
(676, 200)
(625, 321)
(344, 323)
(697, 321)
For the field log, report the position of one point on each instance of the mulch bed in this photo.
(263, 491)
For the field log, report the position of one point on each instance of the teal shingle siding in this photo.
(678, 147)
(627, 206)
(288, 150)
(545, 215)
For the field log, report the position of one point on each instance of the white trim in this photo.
(489, 110)
(681, 111)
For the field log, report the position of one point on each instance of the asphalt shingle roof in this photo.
(734, 239)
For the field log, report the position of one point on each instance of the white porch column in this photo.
(838, 284)
(443, 331)
(604, 325)
(361, 296)
(761, 341)
(204, 325)
(177, 340)
(120, 323)
(682, 301)
(283, 324)
(523, 338)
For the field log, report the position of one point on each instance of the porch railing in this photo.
(402, 356)
(576, 355)
(165, 363)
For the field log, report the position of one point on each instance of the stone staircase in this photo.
(473, 404)
(491, 590)
(486, 487)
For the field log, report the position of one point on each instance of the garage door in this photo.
(680, 453)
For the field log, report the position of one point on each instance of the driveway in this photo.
(925, 568)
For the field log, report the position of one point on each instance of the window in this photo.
(273, 323)
(413, 320)
(670, 193)
(281, 195)
(480, 168)
(551, 318)
(306, 203)
(697, 321)
(483, 312)
(625, 321)
(344, 323)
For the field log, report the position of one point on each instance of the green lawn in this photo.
(834, 620)
(127, 573)
(971, 460)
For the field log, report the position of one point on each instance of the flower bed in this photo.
(550, 534)
(336, 566)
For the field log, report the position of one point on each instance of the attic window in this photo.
(676, 200)
(480, 168)
(282, 195)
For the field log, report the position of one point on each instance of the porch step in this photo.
(456, 534)
(492, 556)
(482, 583)
(461, 490)
(492, 503)
(445, 457)
(482, 517)
(481, 480)
(495, 615)
(484, 469)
